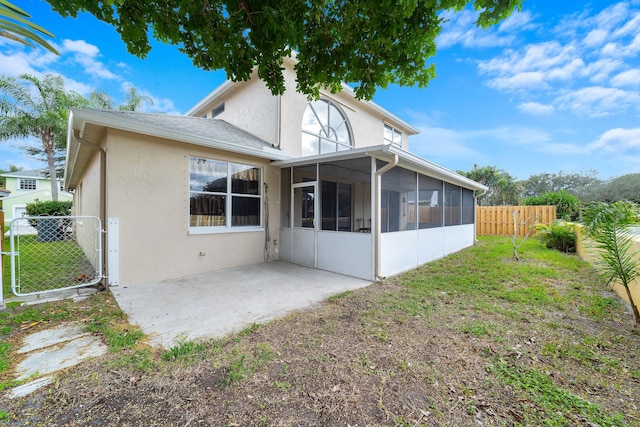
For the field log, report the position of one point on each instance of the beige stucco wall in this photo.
(87, 195)
(587, 252)
(148, 191)
(251, 106)
(86, 202)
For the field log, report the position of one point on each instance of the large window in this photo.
(224, 195)
(324, 129)
(27, 184)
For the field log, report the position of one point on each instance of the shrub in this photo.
(559, 235)
(49, 208)
(567, 205)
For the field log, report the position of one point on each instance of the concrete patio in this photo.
(215, 304)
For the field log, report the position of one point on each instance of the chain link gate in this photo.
(52, 253)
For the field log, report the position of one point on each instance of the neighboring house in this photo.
(247, 176)
(25, 187)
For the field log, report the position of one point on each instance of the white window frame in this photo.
(228, 228)
(21, 180)
(325, 137)
(394, 132)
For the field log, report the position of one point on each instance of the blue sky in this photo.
(555, 88)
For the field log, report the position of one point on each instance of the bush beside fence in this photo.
(498, 220)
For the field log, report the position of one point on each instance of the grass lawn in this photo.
(474, 339)
(46, 265)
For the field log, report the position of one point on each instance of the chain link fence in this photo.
(54, 253)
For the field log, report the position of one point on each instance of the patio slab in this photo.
(215, 304)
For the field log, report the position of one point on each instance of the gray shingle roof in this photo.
(214, 129)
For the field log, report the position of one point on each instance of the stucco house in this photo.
(246, 176)
(25, 187)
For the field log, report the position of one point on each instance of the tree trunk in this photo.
(634, 307)
(48, 146)
(52, 175)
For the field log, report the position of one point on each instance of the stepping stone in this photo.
(49, 337)
(28, 388)
(59, 356)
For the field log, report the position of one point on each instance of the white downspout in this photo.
(378, 228)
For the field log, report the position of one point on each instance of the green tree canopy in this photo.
(545, 182)
(369, 43)
(503, 188)
(625, 187)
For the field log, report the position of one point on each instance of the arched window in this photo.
(324, 129)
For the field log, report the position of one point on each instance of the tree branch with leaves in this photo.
(368, 43)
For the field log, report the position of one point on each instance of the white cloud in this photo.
(526, 80)
(611, 16)
(596, 38)
(442, 143)
(597, 101)
(517, 22)
(581, 71)
(619, 141)
(460, 29)
(81, 47)
(536, 109)
(627, 78)
(87, 55)
(536, 57)
(602, 69)
(631, 27)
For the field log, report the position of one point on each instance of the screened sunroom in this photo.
(373, 212)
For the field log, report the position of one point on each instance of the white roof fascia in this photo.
(220, 90)
(95, 117)
(340, 155)
(417, 163)
(442, 172)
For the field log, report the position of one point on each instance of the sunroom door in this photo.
(304, 206)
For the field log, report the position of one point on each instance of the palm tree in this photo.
(15, 26)
(609, 226)
(134, 101)
(33, 107)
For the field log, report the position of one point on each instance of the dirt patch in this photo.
(395, 353)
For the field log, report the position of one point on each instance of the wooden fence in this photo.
(498, 220)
